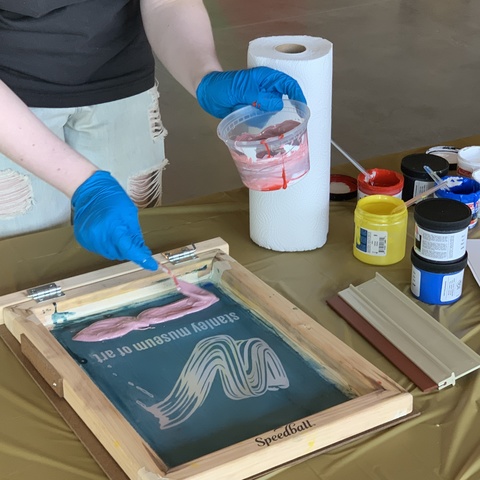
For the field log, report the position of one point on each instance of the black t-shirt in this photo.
(70, 53)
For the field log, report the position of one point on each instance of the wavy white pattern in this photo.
(246, 368)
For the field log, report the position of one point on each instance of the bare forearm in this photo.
(29, 143)
(180, 34)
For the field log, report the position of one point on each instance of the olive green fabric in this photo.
(441, 443)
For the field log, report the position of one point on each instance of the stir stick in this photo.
(425, 194)
(368, 176)
(433, 175)
(419, 197)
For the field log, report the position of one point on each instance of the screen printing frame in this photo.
(378, 399)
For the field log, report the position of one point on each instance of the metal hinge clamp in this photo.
(182, 254)
(45, 292)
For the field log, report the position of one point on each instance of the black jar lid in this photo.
(342, 187)
(412, 165)
(438, 267)
(442, 215)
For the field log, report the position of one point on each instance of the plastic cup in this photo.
(270, 149)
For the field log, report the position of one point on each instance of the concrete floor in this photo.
(406, 74)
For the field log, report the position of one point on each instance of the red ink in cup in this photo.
(270, 149)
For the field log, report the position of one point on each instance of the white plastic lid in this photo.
(470, 156)
(449, 153)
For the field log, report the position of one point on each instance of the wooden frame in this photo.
(377, 400)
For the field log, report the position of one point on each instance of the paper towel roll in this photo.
(296, 219)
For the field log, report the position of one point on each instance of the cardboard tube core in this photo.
(290, 48)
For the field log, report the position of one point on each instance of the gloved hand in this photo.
(220, 93)
(105, 221)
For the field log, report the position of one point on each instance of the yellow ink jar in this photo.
(380, 230)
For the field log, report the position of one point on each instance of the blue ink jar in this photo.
(437, 283)
(465, 190)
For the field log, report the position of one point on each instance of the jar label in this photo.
(372, 242)
(451, 287)
(416, 281)
(464, 173)
(473, 206)
(442, 247)
(420, 187)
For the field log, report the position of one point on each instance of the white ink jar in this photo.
(441, 229)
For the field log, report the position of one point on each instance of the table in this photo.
(441, 443)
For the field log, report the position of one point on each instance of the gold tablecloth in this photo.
(443, 442)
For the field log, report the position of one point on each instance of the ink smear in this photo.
(195, 299)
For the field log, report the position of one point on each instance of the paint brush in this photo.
(368, 177)
(420, 196)
(437, 179)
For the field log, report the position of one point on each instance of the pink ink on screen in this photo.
(195, 299)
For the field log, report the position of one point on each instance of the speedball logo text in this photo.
(284, 432)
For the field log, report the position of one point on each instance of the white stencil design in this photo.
(246, 368)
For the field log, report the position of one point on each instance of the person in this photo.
(80, 127)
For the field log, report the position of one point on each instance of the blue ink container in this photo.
(437, 283)
(467, 191)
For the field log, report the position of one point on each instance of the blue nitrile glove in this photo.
(105, 221)
(220, 93)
